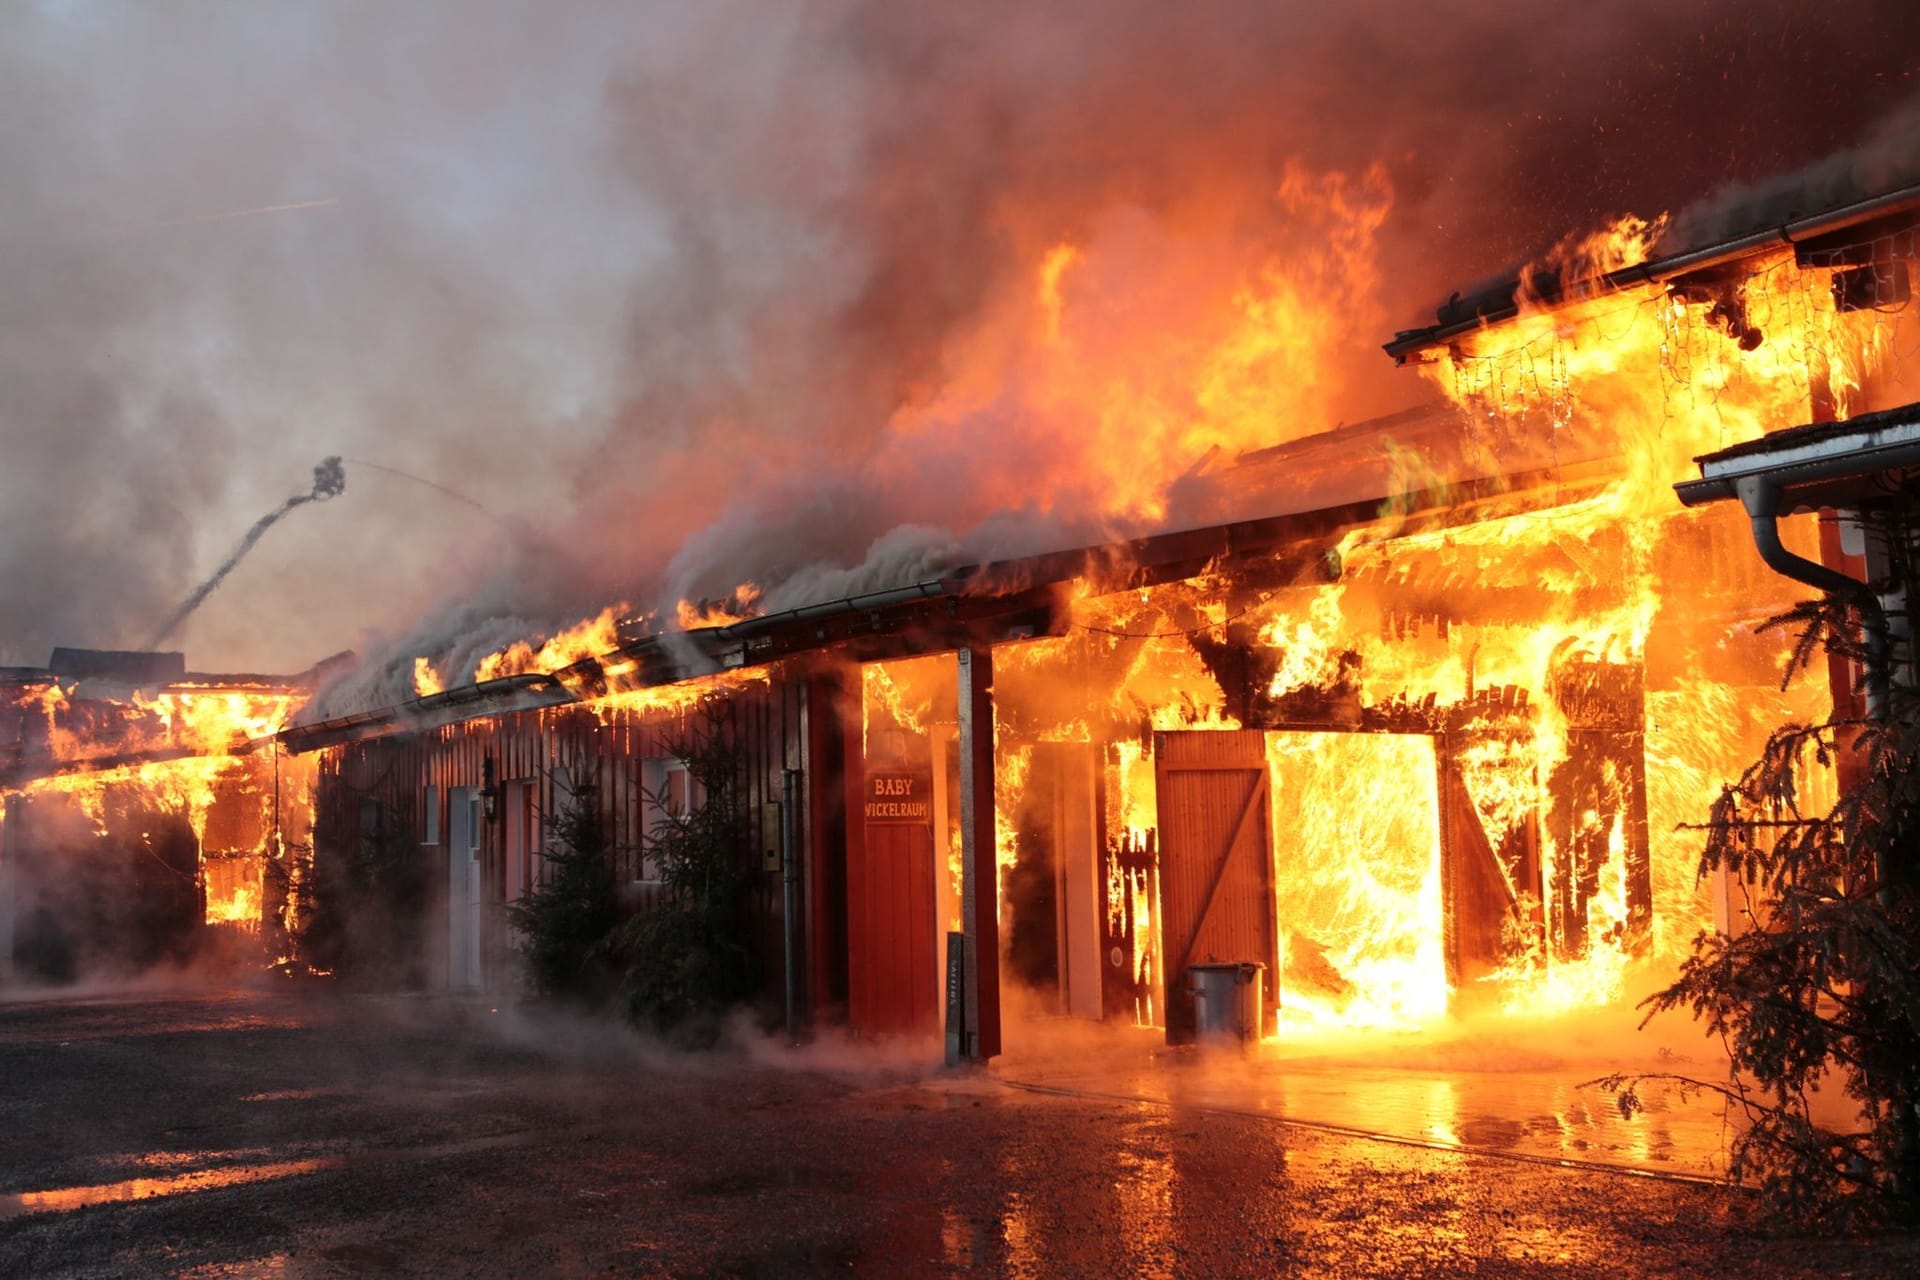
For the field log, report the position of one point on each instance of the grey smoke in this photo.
(329, 481)
(653, 281)
(1888, 158)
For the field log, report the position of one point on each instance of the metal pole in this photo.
(11, 815)
(790, 877)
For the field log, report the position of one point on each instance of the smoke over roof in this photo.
(694, 294)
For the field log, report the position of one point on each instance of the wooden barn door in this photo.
(1489, 881)
(1216, 861)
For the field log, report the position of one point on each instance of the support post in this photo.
(979, 870)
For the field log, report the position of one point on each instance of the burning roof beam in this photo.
(1502, 302)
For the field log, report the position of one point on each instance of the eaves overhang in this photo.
(1818, 464)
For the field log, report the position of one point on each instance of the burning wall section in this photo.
(1483, 717)
(137, 816)
(1479, 745)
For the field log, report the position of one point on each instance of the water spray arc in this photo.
(329, 481)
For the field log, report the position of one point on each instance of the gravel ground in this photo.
(319, 1134)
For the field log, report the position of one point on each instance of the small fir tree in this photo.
(687, 960)
(567, 921)
(1823, 990)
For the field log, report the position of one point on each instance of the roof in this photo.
(1820, 463)
(135, 667)
(1502, 301)
(989, 603)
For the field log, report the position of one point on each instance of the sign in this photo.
(897, 796)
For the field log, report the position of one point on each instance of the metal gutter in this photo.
(746, 629)
(1889, 448)
(1765, 503)
(1661, 270)
(452, 706)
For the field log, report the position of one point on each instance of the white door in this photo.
(463, 889)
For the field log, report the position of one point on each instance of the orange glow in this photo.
(1358, 899)
(1588, 670)
(683, 696)
(1136, 352)
(426, 681)
(738, 606)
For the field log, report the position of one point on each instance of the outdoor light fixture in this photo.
(489, 791)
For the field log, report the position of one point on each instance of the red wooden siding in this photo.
(607, 749)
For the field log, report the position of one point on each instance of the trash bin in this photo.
(1226, 1001)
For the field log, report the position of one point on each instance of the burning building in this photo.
(146, 807)
(1414, 713)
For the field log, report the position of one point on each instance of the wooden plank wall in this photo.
(1216, 861)
(558, 748)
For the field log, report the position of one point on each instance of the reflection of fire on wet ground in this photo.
(272, 1131)
(1517, 1102)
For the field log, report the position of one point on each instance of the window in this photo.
(684, 793)
(667, 791)
(429, 815)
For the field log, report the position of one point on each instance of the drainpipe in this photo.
(790, 877)
(1761, 498)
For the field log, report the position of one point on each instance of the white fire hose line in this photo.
(1371, 1135)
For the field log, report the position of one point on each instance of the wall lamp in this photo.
(489, 791)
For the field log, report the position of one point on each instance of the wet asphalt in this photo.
(314, 1133)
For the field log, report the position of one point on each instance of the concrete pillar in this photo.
(979, 870)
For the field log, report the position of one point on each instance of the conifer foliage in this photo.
(1821, 991)
(683, 962)
(566, 921)
(688, 960)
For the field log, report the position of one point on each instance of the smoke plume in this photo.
(822, 296)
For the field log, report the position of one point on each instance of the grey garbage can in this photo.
(1226, 1001)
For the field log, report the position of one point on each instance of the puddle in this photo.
(132, 1190)
(152, 1188)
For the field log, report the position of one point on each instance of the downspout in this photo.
(790, 876)
(1761, 497)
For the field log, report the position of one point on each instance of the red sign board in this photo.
(897, 796)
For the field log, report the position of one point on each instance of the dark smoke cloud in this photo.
(663, 281)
